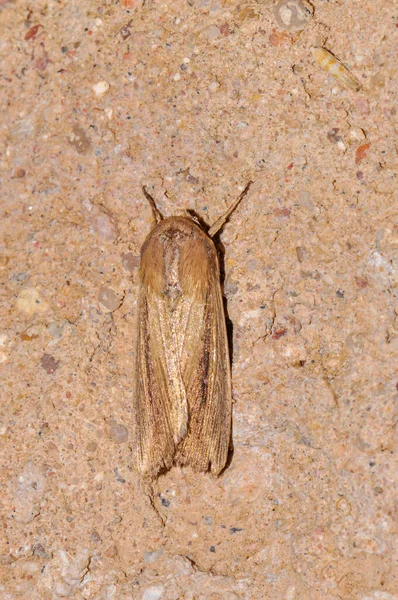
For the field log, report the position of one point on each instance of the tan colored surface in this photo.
(194, 99)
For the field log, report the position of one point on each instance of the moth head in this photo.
(190, 214)
(183, 212)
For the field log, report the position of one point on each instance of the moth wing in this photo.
(160, 408)
(207, 379)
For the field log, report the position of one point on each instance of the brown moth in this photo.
(183, 401)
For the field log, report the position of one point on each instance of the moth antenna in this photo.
(156, 213)
(221, 220)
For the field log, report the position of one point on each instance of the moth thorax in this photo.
(172, 278)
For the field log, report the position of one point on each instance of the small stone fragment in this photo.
(361, 282)
(91, 447)
(235, 530)
(293, 15)
(39, 550)
(152, 557)
(72, 572)
(153, 593)
(279, 38)
(130, 261)
(56, 328)
(244, 13)
(79, 140)
(377, 80)
(32, 32)
(361, 153)
(356, 134)
(30, 302)
(19, 174)
(300, 251)
(112, 551)
(282, 212)
(49, 363)
(29, 568)
(213, 32)
(102, 224)
(362, 106)
(101, 88)
(119, 477)
(42, 62)
(118, 433)
(63, 589)
(230, 288)
(3, 354)
(332, 135)
(125, 31)
(29, 488)
(278, 332)
(224, 29)
(108, 298)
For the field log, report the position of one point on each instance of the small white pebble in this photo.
(293, 15)
(357, 134)
(341, 145)
(98, 22)
(186, 60)
(101, 88)
(286, 15)
(290, 594)
(109, 113)
(153, 593)
(177, 77)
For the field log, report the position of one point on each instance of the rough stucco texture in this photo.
(193, 99)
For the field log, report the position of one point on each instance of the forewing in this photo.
(207, 380)
(153, 439)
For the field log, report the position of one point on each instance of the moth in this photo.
(182, 406)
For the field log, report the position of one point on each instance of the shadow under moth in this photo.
(183, 400)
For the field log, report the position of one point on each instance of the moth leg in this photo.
(221, 220)
(156, 214)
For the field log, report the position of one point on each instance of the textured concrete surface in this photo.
(193, 99)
